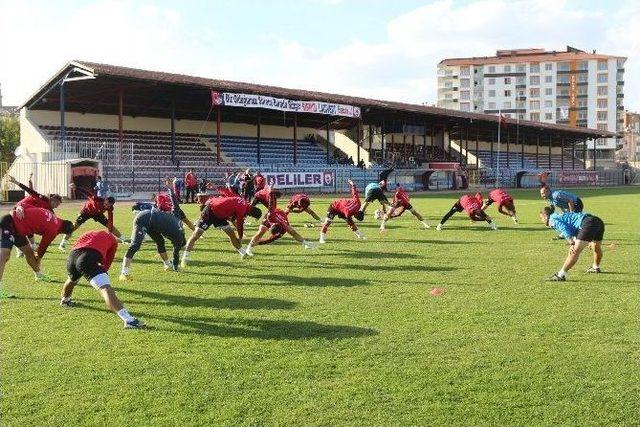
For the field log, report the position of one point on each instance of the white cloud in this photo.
(401, 67)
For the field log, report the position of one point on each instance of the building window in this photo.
(507, 68)
(548, 104)
(582, 103)
(448, 84)
(507, 115)
(492, 94)
(582, 115)
(602, 116)
(492, 81)
(584, 65)
(448, 96)
(521, 68)
(602, 126)
(507, 80)
(534, 116)
(491, 105)
(602, 91)
(548, 79)
(563, 66)
(602, 103)
(548, 91)
(506, 105)
(465, 83)
(534, 105)
(492, 68)
(548, 66)
(521, 80)
(520, 93)
(563, 78)
(603, 77)
(582, 78)
(521, 105)
(534, 67)
(534, 80)
(464, 94)
(603, 65)
(548, 116)
(464, 71)
(507, 93)
(534, 92)
(465, 106)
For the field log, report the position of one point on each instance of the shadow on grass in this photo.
(281, 279)
(263, 329)
(228, 303)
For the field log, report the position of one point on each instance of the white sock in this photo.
(125, 316)
(425, 223)
(185, 255)
(562, 273)
(63, 241)
(65, 299)
(595, 266)
(358, 233)
(125, 270)
(323, 236)
(168, 263)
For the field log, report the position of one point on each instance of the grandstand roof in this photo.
(150, 93)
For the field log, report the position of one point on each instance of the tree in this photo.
(9, 137)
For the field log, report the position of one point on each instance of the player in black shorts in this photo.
(375, 191)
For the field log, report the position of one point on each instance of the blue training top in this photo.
(370, 187)
(561, 198)
(568, 223)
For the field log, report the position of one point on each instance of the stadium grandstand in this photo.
(136, 127)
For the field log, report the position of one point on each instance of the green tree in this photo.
(9, 137)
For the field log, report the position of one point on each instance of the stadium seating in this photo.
(243, 151)
(515, 160)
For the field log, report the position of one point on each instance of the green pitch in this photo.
(348, 334)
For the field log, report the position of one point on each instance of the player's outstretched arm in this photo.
(313, 214)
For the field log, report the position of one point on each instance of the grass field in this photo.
(345, 335)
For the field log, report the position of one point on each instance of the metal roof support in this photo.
(295, 138)
(258, 135)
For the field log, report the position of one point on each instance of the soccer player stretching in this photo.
(504, 201)
(218, 211)
(563, 199)
(580, 229)
(168, 202)
(91, 257)
(94, 208)
(346, 209)
(22, 222)
(472, 205)
(299, 203)
(401, 202)
(158, 225)
(375, 191)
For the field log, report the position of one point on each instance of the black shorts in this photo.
(591, 229)
(179, 213)
(84, 262)
(82, 218)
(207, 219)
(578, 207)
(376, 194)
(10, 236)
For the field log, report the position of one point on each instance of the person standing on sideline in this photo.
(191, 184)
(101, 188)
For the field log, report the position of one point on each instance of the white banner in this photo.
(299, 179)
(281, 104)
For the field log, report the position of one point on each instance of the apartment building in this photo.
(571, 87)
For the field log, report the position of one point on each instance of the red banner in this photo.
(447, 166)
(577, 177)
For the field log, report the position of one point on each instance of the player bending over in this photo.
(346, 209)
(375, 191)
(401, 202)
(22, 222)
(563, 199)
(218, 211)
(264, 196)
(36, 200)
(158, 225)
(299, 203)
(91, 257)
(472, 205)
(504, 201)
(94, 208)
(580, 229)
(168, 202)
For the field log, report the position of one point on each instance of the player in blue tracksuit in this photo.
(563, 199)
(580, 229)
(375, 191)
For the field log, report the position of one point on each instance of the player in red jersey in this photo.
(277, 222)
(259, 182)
(94, 208)
(91, 257)
(168, 202)
(401, 202)
(299, 203)
(22, 222)
(218, 211)
(37, 200)
(346, 209)
(504, 201)
(264, 196)
(472, 205)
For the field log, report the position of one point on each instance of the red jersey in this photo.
(259, 182)
(94, 206)
(348, 207)
(264, 195)
(38, 221)
(103, 242)
(298, 202)
(470, 203)
(279, 217)
(164, 202)
(230, 208)
(500, 196)
(401, 198)
(190, 180)
(36, 202)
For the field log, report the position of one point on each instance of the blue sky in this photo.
(380, 49)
